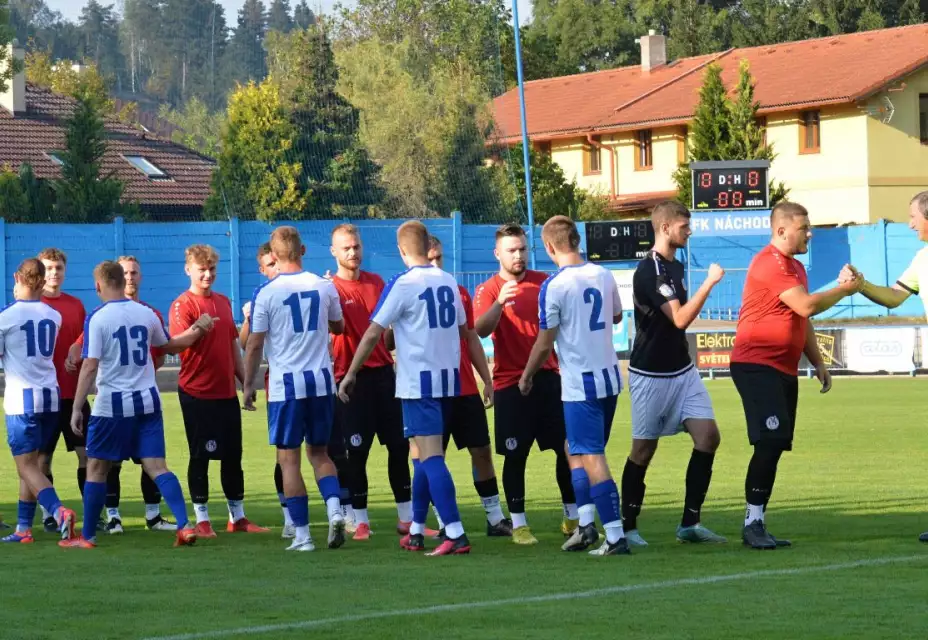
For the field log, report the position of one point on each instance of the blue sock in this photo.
(25, 514)
(421, 497)
(441, 486)
(94, 499)
(345, 496)
(48, 498)
(606, 498)
(299, 510)
(581, 483)
(328, 487)
(169, 486)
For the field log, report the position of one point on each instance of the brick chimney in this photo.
(14, 98)
(653, 51)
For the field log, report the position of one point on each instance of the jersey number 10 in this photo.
(440, 315)
(43, 339)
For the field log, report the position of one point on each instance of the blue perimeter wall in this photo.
(881, 251)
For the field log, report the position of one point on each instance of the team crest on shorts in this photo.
(211, 445)
(356, 440)
(511, 444)
(773, 423)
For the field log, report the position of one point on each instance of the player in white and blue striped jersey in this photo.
(578, 306)
(424, 308)
(125, 421)
(291, 317)
(28, 330)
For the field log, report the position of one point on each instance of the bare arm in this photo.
(477, 355)
(682, 316)
(84, 382)
(889, 297)
(244, 333)
(159, 361)
(487, 323)
(808, 304)
(389, 339)
(336, 327)
(238, 362)
(541, 351)
(811, 347)
(365, 348)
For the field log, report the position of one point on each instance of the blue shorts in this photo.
(424, 416)
(290, 423)
(30, 432)
(589, 424)
(117, 439)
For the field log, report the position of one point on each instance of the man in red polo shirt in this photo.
(467, 423)
(375, 410)
(72, 325)
(151, 494)
(207, 393)
(773, 333)
(507, 309)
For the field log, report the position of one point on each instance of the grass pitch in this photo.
(851, 497)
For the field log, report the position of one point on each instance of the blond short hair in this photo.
(54, 255)
(347, 227)
(202, 254)
(110, 274)
(561, 232)
(31, 273)
(413, 237)
(286, 244)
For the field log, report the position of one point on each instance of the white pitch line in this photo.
(554, 597)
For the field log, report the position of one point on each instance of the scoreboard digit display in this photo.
(618, 240)
(730, 185)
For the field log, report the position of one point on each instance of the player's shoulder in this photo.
(71, 301)
(369, 277)
(921, 258)
(152, 309)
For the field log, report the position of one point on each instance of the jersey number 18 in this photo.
(442, 314)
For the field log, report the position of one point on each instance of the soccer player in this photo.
(376, 411)
(150, 493)
(507, 309)
(28, 330)
(267, 267)
(578, 305)
(913, 281)
(773, 332)
(72, 323)
(289, 316)
(208, 398)
(126, 420)
(466, 422)
(423, 307)
(667, 394)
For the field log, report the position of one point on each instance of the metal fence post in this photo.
(234, 256)
(457, 242)
(119, 234)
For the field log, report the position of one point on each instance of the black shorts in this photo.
(524, 420)
(770, 398)
(71, 439)
(465, 421)
(373, 410)
(214, 427)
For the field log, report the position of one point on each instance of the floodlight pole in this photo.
(526, 158)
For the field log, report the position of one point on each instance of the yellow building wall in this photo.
(898, 161)
(831, 184)
(569, 155)
(665, 160)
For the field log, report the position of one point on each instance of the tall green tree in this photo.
(246, 58)
(847, 16)
(7, 63)
(99, 30)
(84, 193)
(198, 128)
(760, 22)
(303, 16)
(278, 16)
(337, 175)
(257, 177)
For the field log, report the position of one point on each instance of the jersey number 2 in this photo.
(43, 339)
(595, 297)
(443, 315)
(296, 311)
(140, 353)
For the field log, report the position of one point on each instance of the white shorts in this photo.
(661, 403)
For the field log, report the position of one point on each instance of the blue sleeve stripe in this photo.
(254, 302)
(542, 299)
(85, 349)
(386, 291)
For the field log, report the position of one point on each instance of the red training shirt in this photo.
(207, 369)
(468, 379)
(359, 299)
(72, 325)
(515, 334)
(769, 332)
(155, 351)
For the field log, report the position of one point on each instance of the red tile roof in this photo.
(28, 137)
(789, 76)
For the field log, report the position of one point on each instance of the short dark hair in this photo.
(787, 210)
(509, 230)
(667, 212)
(110, 273)
(921, 201)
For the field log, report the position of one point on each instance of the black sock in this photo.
(279, 483)
(113, 487)
(698, 476)
(343, 471)
(357, 477)
(487, 488)
(150, 492)
(632, 493)
(198, 480)
(398, 472)
(233, 479)
(514, 482)
(564, 481)
(762, 471)
(81, 479)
